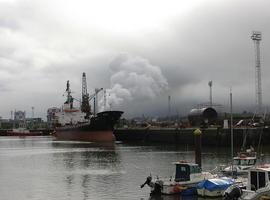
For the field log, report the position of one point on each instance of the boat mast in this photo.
(231, 128)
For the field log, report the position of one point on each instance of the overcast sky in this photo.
(140, 50)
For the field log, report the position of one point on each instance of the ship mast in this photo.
(69, 97)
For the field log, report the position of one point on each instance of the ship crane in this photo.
(85, 107)
(95, 97)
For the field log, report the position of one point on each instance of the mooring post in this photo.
(198, 147)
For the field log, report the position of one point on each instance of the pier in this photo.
(185, 136)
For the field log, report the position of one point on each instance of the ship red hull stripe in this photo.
(93, 136)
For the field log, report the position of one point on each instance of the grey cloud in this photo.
(40, 49)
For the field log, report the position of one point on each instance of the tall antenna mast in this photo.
(231, 111)
(257, 37)
(210, 83)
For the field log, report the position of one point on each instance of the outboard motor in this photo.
(232, 193)
(157, 188)
(148, 181)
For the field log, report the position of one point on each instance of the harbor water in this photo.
(40, 168)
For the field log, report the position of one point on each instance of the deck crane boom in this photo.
(86, 98)
(85, 107)
(95, 97)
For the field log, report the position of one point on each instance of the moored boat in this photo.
(96, 129)
(241, 163)
(187, 176)
(258, 185)
(214, 187)
(73, 124)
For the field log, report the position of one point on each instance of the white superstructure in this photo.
(70, 115)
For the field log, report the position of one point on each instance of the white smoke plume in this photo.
(134, 78)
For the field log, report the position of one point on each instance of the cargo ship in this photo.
(76, 124)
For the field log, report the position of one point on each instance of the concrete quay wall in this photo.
(210, 136)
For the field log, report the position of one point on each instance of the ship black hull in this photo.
(100, 128)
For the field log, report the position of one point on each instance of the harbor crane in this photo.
(86, 98)
(85, 106)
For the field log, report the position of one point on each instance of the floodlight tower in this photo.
(210, 83)
(257, 37)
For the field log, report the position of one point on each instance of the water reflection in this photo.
(89, 167)
(36, 168)
(85, 185)
(87, 155)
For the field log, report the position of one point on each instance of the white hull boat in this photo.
(241, 164)
(258, 185)
(187, 176)
(214, 187)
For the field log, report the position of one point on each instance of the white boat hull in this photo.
(255, 195)
(184, 187)
(206, 193)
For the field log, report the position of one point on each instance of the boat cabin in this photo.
(183, 170)
(244, 161)
(258, 177)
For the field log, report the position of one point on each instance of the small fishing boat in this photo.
(258, 185)
(214, 187)
(187, 176)
(241, 163)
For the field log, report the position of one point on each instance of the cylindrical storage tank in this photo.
(198, 116)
